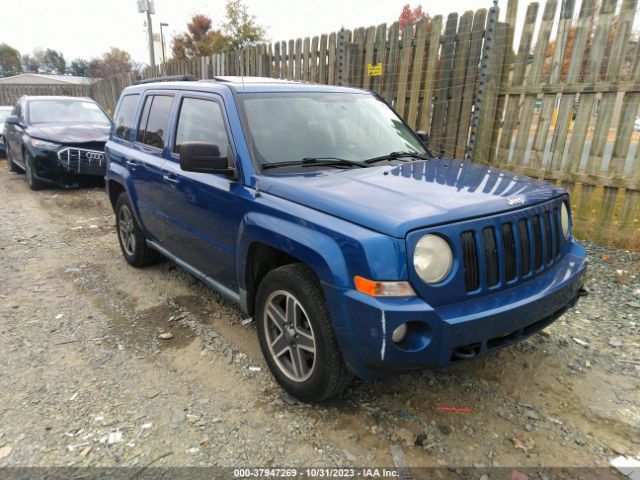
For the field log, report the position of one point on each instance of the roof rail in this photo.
(171, 78)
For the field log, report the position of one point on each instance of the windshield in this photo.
(65, 111)
(4, 113)
(288, 127)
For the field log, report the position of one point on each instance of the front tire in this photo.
(32, 181)
(296, 335)
(132, 240)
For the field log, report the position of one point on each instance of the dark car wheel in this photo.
(132, 241)
(34, 183)
(296, 335)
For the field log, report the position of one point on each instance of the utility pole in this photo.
(164, 59)
(148, 7)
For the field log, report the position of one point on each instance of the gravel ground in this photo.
(87, 380)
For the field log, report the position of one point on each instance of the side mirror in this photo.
(204, 158)
(423, 136)
(12, 120)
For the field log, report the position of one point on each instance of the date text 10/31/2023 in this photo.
(316, 473)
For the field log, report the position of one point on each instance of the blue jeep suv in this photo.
(326, 217)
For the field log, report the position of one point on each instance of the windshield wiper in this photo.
(312, 161)
(396, 156)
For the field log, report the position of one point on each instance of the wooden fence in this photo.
(557, 108)
(9, 94)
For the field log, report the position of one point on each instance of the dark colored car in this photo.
(57, 140)
(324, 216)
(5, 111)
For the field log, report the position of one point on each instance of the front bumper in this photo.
(447, 334)
(60, 168)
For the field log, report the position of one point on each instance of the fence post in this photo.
(509, 56)
(482, 75)
(483, 150)
(265, 65)
(341, 57)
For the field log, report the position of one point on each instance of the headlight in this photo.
(432, 258)
(564, 219)
(35, 143)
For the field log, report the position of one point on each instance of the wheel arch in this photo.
(114, 189)
(266, 242)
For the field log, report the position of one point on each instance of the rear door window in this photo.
(152, 130)
(125, 116)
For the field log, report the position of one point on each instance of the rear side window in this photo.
(201, 121)
(155, 118)
(125, 116)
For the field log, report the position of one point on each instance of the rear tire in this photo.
(34, 183)
(133, 243)
(296, 335)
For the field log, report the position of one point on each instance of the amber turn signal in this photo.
(383, 289)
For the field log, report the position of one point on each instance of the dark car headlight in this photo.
(44, 145)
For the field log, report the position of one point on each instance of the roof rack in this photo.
(170, 78)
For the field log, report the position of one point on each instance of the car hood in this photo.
(396, 199)
(70, 132)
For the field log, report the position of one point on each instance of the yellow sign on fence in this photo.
(374, 70)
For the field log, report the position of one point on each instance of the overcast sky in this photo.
(87, 28)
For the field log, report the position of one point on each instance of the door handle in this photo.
(171, 178)
(132, 164)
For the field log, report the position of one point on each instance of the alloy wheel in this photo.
(289, 336)
(126, 230)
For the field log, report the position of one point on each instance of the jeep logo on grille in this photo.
(516, 200)
(95, 155)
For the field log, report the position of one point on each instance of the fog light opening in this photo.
(399, 333)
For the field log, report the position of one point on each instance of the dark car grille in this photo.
(531, 241)
(83, 161)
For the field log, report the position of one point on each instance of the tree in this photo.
(30, 63)
(411, 15)
(200, 39)
(9, 61)
(96, 69)
(240, 25)
(53, 62)
(79, 67)
(114, 62)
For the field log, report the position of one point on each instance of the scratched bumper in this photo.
(364, 324)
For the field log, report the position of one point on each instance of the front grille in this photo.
(84, 161)
(525, 247)
(547, 237)
(509, 252)
(511, 249)
(470, 258)
(537, 242)
(490, 256)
